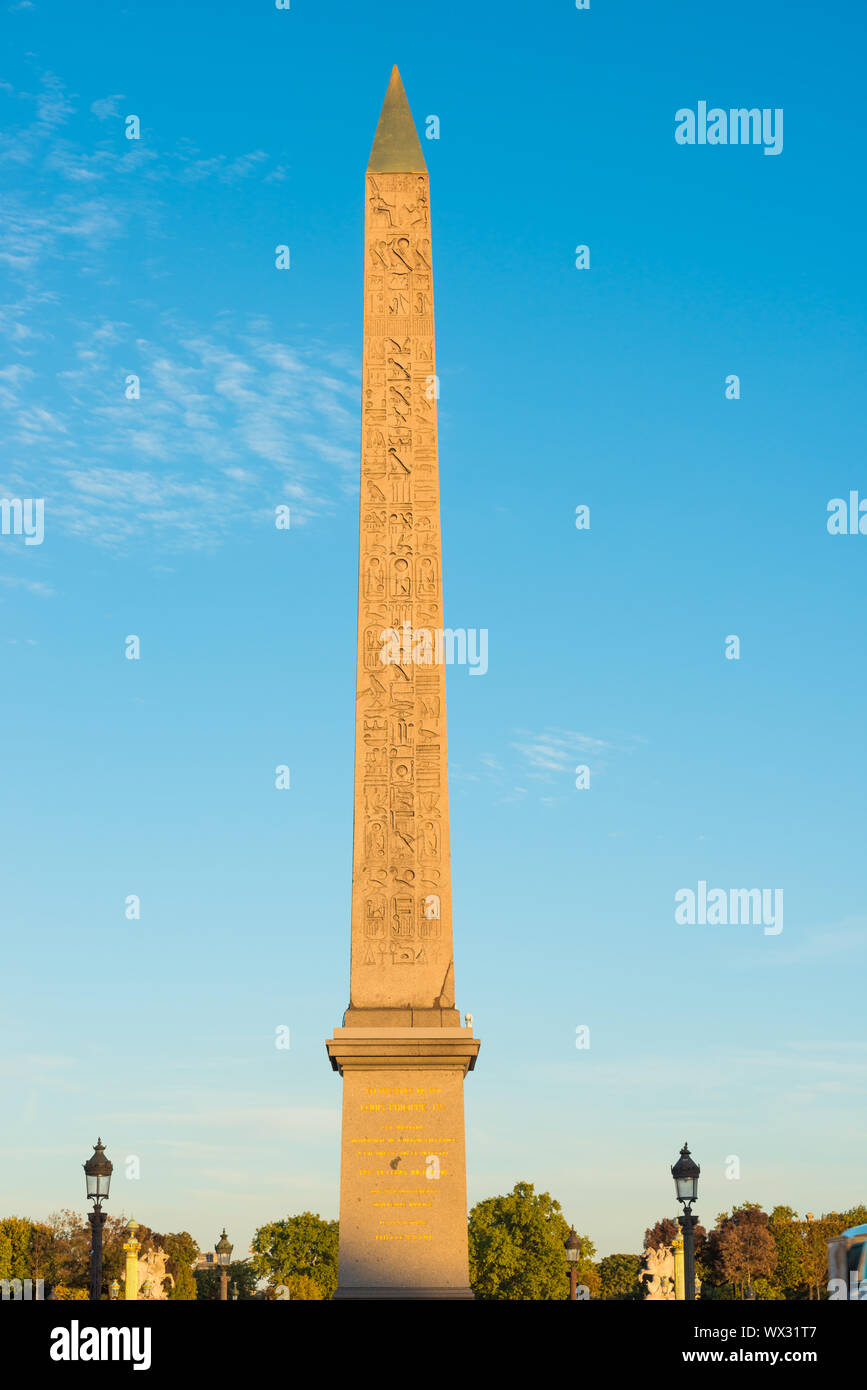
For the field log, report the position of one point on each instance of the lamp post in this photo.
(113, 1289)
(223, 1248)
(97, 1172)
(685, 1173)
(573, 1255)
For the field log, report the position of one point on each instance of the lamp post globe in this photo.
(97, 1174)
(686, 1174)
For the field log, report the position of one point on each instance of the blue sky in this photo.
(559, 387)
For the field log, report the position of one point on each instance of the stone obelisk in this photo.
(401, 1051)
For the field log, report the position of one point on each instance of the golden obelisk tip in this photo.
(396, 147)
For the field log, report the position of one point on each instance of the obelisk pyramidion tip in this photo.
(396, 147)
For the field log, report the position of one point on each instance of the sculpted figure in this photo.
(659, 1273)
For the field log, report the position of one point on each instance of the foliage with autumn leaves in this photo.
(778, 1255)
(58, 1251)
(516, 1252)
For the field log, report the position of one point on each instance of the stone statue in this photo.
(153, 1275)
(659, 1273)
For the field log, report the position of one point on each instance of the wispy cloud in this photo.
(847, 938)
(550, 756)
(106, 108)
(281, 1120)
(801, 1069)
(230, 419)
(32, 586)
(555, 750)
(46, 219)
(229, 423)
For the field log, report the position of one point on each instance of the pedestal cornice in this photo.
(368, 1048)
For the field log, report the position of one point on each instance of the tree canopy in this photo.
(517, 1247)
(516, 1250)
(302, 1245)
(619, 1277)
(58, 1251)
(241, 1275)
(182, 1251)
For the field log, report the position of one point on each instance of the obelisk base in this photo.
(403, 1198)
(358, 1294)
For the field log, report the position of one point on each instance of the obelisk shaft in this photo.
(401, 900)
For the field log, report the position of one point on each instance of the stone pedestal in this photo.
(403, 1198)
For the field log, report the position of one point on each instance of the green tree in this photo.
(69, 1259)
(855, 1216)
(619, 1277)
(240, 1273)
(182, 1252)
(767, 1290)
(41, 1249)
(67, 1249)
(789, 1273)
(25, 1248)
(517, 1248)
(302, 1287)
(16, 1238)
(815, 1235)
(297, 1245)
(588, 1272)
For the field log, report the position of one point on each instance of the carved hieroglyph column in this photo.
(402, 1052)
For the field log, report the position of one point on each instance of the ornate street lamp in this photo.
(97, 1172)
(573, 1255)
(223, 1248)
(113, 1289)
(685, 1173)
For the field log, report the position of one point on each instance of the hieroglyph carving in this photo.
(400, 955)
